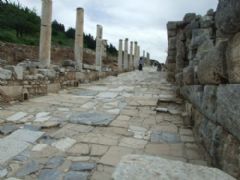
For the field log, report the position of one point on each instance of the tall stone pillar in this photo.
(125, 60)
(78, 47)
(98, 61)
(130, 65)
(104, 48)
(120, 55)
(139, 53)
(45, 34)
(135, 54)
(148, 58)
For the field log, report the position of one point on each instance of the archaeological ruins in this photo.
(75, 113)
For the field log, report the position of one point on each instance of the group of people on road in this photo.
(159, 66)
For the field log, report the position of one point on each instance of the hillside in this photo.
(21, 25)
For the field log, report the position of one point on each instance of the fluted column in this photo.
(45, 34)
(78, 47)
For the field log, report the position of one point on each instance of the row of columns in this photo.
(46, 33)
(126, 60)
(129, 61)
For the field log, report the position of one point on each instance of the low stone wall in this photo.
(204, 61)
(16, 53)
(25, 89)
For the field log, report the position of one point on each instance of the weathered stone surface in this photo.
(82, 166)
(79, 149)
(164, 137)
(39, 147)
(227, 17)
(54, 162)
(17, 142)
(233, 60)
(98, 150)
(188, 75)
(172, 43)
(5, 74)
(212, 69)
(7, 129)
(3, 172)
(96, 119)
(228, 109)
(50, 174)
(220, 104)
(84, 92)
(148, 167)
(50, 73)
(133, 143)
(18, 116)
(189, 17)
(76, 176)
(114, 155)
(28, 168)
(64, 144)
(194, 94)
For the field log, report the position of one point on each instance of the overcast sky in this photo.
(139, 20)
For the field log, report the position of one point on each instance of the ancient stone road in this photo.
(85, 131)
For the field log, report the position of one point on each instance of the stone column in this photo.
(139, 53)
(148, 58)
(130, 65)
(120, 55)
(104, 48)
(125, 59)
(78, 47)
(98, 61)
(45, 34)
(135, 54)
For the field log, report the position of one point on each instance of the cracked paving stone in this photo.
(95, 119)
(28, 168)
(54, 162)
(82, 166)
(8, 129)
(164, 137)
(73, 175)
(133, 143)
(50, 174)
(64, 144)
(79, 149)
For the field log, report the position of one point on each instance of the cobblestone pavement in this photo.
(82, 133)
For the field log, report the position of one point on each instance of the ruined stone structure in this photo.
(45, 34)
(78, 47)
(99, 46)
(204, 61)
(125, 58)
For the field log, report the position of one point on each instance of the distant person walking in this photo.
(141, 63)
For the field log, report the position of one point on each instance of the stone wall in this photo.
(204, 61)
(15, 53)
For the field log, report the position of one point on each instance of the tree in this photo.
(70, 33)
(57, 27)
